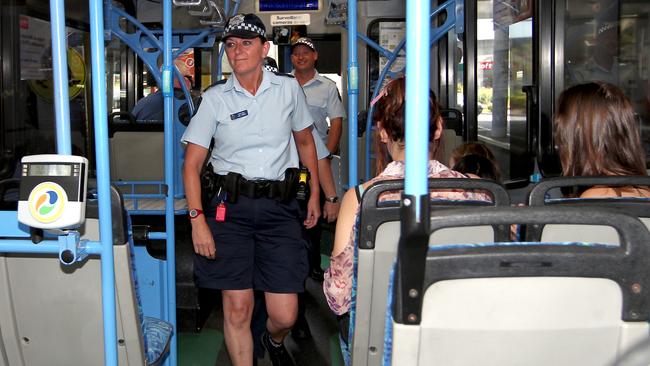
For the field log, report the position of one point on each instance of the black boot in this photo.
(278, 353)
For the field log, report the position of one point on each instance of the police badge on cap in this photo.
(244, 26)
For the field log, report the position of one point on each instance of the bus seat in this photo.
(450, 142)
(541, 193)
(137, 156)
(51, 314)
(377, 243)
(452, 134)
(527, 303)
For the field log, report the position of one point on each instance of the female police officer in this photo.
(249, 236)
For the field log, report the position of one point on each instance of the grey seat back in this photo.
(541, 193)
(51, 314)
(379, 232)
(522, 304)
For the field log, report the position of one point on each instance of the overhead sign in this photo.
(290, 19)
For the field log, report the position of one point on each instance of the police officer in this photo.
(324, 103)
(322, 95)
(249, 236)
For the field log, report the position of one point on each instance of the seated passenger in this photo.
(596, 133)
(389, 117)
(150, 109)
(476, 160)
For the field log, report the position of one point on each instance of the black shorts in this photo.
(258, 246)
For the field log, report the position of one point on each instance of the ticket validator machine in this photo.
(53, 197)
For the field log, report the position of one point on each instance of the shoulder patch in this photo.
(284, 74)
(222, 81)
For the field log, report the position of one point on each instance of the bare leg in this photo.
(237, 312)
(282, 309)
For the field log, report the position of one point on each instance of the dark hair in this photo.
(389, 111)
(475, 149)
(596, 132)
(478, 165)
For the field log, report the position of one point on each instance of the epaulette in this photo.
(219, 82)
(283, 74)
(326, 78)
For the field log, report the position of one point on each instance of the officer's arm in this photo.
(194, 157)
(307, 151)
(330, 209)
(334, 135)
(201, 236)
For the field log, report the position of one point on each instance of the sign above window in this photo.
(288, 5)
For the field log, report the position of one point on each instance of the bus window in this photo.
(504, 65)
(608, 40)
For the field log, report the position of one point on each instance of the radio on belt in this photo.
(53, 191)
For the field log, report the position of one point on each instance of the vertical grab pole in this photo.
(60, 71)
(103, 180)
(418, 27)
(353, 93)
(168, 93)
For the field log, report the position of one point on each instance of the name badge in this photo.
(237, 115)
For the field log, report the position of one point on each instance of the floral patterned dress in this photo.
(338, 277)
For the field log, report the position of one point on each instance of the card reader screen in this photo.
(52, 170)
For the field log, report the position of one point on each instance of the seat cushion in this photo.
(157, 334)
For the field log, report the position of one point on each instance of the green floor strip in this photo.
(199, 349)
(335, 351)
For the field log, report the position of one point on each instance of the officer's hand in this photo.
(202, 239)
(313, 212)
(331, 211)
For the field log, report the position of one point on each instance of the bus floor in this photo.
(208, 348)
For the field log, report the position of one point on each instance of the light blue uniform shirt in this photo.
(252, 133)
(324, 101)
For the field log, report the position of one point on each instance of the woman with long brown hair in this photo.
(597, 133)
(389, 119)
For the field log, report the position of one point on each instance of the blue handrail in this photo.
(168, 94)
(417, 94)
(60, 73)
(103, 180)
(353, 93)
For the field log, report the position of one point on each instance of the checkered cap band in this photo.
(305, 41)
(270, 68)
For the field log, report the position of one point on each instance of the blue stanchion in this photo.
(103, 180)
(60, 74)
(353, 94)
(170, 308)
(417, 93)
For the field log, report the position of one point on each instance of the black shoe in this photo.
(317, 274)
(278, 354)
(301, 330)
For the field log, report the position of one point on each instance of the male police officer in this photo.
(249, 237)
(322, 96)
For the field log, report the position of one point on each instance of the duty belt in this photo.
(234, 184)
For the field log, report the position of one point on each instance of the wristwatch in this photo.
(333, 199)
(194, 213)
